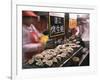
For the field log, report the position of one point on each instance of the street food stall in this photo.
(63, 47)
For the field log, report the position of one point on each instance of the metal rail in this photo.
(71, 57)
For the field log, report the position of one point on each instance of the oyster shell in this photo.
(49, 62)
(39, 63)
(54, 60)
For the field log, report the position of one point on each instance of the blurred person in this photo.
(83, 28)
(30, 36)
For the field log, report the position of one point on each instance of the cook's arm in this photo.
(31, 47)
(38, 33)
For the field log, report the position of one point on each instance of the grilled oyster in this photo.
(54, 60)
(63, 55)
(69, 49)
(47, 56)
(38, 57)
(58, 57)
(49, 62)
(39, 63)
(59, 47)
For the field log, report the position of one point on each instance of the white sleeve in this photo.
(77, 31)
(38, 33)
(31, 47)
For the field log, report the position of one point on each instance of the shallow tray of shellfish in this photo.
(52, 58)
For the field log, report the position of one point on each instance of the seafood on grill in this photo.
(50, 56)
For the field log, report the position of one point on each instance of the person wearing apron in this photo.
(30, 37)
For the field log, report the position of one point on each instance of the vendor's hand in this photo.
(43, 39)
